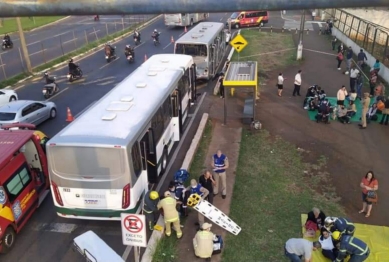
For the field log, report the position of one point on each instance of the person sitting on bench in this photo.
(372, 113)
(352, 109)
(314, 103)
(342, 115)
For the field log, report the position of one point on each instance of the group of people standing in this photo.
(175, 204)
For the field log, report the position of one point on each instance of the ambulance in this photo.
(249, 18)
(24, 179)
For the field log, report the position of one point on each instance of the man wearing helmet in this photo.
(128, 50)
(150, 203)
(343, 225)
(155, 35)
(109, 50)
(72, 67)
(170, 214)
(7, 39)
(349, 245)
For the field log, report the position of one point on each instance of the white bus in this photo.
(184, 19)
(206, 43)
(100, 165)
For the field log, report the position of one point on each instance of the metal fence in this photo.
(54, 46)
(369, 36)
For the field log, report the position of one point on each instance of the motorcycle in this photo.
(130, 58)
(96, 18)
(137, 38)
(156, 39)
(6, 45)
(51, 87)
(76, 74)
(110, 55)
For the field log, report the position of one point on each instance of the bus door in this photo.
(149, 155)
(211, 67)
(20, 190)
(176, 109)
(192, 76)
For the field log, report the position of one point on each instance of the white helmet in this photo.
(329, 222)
(155, 30)
(128, 46)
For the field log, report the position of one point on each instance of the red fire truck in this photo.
(24, 179)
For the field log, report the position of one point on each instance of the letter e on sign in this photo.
(134, 230)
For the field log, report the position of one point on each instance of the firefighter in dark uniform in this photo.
(343, 225)
(349, 245)
(150, 203)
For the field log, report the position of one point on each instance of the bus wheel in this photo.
(164, 160)
(8, 240)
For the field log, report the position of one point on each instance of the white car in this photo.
(7, 96)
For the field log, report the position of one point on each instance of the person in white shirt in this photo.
(280, 84)
(328, 245)
(297, 84)
(341, 96)
(353, 78)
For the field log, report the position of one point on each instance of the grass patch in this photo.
(267, 49)
(13, 80)
(9, 25)
(166, 250)
(273, 187)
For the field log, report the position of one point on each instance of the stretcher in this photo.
(94, 249)
(212, 213)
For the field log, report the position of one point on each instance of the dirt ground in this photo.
(350, 152)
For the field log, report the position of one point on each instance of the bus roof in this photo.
(203, 33)
(10, 142)
(120, 116)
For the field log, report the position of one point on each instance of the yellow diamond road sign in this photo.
(238, 43)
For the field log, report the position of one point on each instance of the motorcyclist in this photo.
(110, 49)
(129, 50)
(137, 35)
(155, 35)
(48, 78)
(73, 68)
(7, 39)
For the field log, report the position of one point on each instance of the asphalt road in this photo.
(48, 237)
(52, 41)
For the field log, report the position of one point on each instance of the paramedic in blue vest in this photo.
(352, 246)
(343, 225)
(196, 188)
(220, 164)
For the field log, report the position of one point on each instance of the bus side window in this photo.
(136, 159)
(18, 182)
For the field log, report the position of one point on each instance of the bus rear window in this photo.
(191, 49)
(96, 162)
(7, 116)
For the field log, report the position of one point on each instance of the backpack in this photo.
(340, 57)
(181, 176)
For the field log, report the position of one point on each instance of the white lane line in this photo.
(221, 19)
(110, 63)
(38, 52)
(33, 43)
(19, 87)
(57, 94)
(56, 227)
(174, 156)
(167, 46)
(86, 108)
(3, 53)
(94, 32)
(139, 45)
(182, 33)
(58, 35)
(69, 41)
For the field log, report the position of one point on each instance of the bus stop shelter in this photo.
(241, 75)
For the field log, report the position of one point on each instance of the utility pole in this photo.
(24, 45)
(300, 45)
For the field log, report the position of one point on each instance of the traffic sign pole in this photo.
(136, 254)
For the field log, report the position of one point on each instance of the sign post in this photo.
(134, 232)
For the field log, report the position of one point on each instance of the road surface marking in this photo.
(2, 65)
(94, 32)
(56, 227)
(34, 43)
(3, 53)
(60, 92)
(167, 46)
(221, 18)
(38, 52)
(139, 45)
(82, 111)
(109, 62)
(69, 41)
(19, 87)
(98, 80)
(181, 33)
(174, 156)
(58, 34)
(320, 52)
(106, 83)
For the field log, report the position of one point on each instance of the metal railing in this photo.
(371, 37)
(41, 52)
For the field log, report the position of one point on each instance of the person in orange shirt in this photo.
(368, 183)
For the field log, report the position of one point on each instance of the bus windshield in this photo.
(97, 162)
(191, 49)
(234, 15)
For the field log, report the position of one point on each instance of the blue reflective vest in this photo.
(196, 190)
(219, 162)
(344, 226)
(352, 246)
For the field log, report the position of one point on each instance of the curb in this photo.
(117, 39)
(52, 23)
(157, 235)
